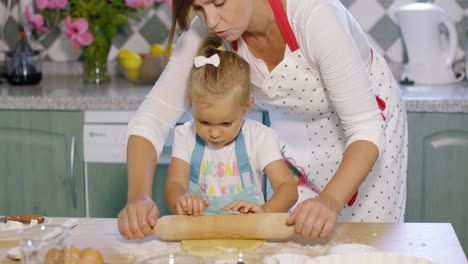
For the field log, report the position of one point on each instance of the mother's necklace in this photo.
(268, 33)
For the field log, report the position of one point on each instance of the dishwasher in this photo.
(104, 134)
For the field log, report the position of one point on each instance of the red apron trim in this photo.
(234, 46)
(353, 199)
(283, 24)
(381, 105)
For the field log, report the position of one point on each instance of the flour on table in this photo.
(211, 247)
(272, 248)
(138, 250)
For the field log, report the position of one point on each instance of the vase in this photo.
(95, 56)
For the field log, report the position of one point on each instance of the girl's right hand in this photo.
(191, 204)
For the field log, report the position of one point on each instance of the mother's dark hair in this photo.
(180, 15)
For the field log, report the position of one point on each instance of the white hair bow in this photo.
(202, 61)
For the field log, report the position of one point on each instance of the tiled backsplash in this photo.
(375, 16)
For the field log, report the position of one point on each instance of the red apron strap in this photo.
(234, 46)
(353, 199)
(380, 102)
(283, 24)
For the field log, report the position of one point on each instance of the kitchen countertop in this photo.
(434, 241)
(59, 92)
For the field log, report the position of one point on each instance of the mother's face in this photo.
(228, 18)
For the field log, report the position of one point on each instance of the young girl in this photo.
(219, 158)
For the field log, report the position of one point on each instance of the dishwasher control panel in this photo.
(104, 136)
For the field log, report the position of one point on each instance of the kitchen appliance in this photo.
(23, 64)
(105, 158)
(233, 226)
(430, 40)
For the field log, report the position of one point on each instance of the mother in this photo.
(332, 100)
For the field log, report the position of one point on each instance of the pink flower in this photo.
(36, 21)
(169, 2)
(139, 3)
(77, 32)
(50, 4)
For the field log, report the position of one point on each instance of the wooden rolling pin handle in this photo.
(25, 218)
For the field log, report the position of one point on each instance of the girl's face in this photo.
(218, 122)
(228, 18)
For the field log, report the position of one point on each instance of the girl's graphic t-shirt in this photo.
(219, 170)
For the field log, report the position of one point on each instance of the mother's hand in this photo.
(137, 218)
(314, 218)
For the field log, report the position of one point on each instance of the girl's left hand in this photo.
(314, 218)
(243, 207)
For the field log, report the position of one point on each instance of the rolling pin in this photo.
(223, 226)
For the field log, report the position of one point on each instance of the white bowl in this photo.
(291, 258)
(374, 258)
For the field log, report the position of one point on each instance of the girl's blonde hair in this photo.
(230, 77)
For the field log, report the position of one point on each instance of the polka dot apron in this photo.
(309, 128)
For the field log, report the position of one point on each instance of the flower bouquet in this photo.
(89, 24)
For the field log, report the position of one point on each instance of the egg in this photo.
(93, 254)
(71, 259)
(53, 256)
(74, 251)
(87, 260)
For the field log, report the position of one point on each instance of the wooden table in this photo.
(434, 241)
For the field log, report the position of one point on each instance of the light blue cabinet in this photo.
(438, 170)
(41, 161)
(107, 188)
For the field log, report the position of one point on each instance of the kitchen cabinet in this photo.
(438, 170)
(107, 188)
(41, 163)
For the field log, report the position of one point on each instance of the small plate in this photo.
(12, 234)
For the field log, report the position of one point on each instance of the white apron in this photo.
(308, 127)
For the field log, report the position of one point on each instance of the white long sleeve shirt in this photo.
(330, 39)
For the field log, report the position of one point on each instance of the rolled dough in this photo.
(211, 247)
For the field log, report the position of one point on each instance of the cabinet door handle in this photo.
(72, 171)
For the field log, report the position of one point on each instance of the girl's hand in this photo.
(314, 218)
(191, 204)
(137, 218)
(243, 207)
